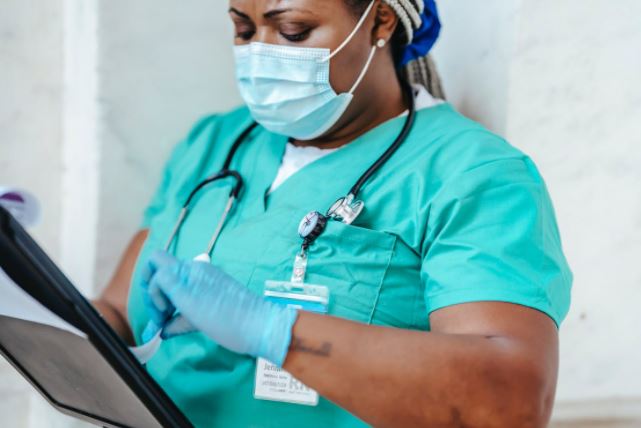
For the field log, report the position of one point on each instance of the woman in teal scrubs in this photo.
(445, 293)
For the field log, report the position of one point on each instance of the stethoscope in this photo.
(346, 209)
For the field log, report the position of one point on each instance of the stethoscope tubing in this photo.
(234, 194)
(407, 128)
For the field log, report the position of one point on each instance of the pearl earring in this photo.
(380, 43)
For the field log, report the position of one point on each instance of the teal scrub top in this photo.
(457, 215)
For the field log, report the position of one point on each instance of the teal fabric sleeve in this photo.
(159, 198)
(492, 236)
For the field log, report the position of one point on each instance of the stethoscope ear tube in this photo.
(234, 148)
(235, 191)
(407, 127)
(219, 227)
(233, 196)
(179, 222)
(218, 176)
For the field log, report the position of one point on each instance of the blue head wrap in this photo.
(425, 36)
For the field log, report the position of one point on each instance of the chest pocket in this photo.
(351, 261)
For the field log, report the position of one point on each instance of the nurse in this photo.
(438, 304)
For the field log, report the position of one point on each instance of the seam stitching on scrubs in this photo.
(433, 234)
(545, 306)
(517, 157)
(543, 291)
(380, 284)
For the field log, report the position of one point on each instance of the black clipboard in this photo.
(96, 378)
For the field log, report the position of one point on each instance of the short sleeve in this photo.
(492, 236)
(159, 198)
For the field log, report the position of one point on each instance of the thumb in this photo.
(155, 298)
(179, 287)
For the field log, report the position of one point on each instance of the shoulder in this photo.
(210, 136)
(205, 146)
(447, 145)
(489, 227)
(219, 124)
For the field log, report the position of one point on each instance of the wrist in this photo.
(277, 334)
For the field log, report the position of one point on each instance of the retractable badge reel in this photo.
(313, 225)
(272, 382)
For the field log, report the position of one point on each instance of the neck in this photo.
(383, 102)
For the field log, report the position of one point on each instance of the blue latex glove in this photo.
(187, 296)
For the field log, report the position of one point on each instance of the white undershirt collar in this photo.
(297, 158)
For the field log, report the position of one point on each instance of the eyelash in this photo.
(297, 37)
(245, 35)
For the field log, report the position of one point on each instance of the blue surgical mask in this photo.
(287, 88)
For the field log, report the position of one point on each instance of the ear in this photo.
(385, 24)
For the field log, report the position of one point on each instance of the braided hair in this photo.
(419, 69)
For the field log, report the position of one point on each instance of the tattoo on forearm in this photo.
(324, 350)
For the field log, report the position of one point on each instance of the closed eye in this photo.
(245, 35)
(298, 37)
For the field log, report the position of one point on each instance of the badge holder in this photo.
(272, 382)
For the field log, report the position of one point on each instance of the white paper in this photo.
(146, 352)
(16, 303)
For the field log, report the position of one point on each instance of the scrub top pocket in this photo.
(351, 261)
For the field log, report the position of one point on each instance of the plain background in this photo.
(93, 95)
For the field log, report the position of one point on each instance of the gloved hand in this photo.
(185, 296)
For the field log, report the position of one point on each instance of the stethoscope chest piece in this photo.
(346, 209)
(204, 258)
(313, 224)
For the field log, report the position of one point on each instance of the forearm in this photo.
(393, 377)
(486, 364)
(115, 319)
(112, 304)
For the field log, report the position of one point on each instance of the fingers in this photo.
(147, 272)
(158, 306)
(177, 326)
(155, 316)
(165, 278)
(150, 331)
(160, 259)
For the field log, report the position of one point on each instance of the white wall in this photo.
(156, 80)
(575, 104)
(564, 85)
(476, 79)
(30, 102)
(30, 141)
(558, 78)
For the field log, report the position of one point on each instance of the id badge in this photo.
(272, 382)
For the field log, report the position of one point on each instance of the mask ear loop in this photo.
(352, 34)
(379, 44)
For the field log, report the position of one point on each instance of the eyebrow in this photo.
(238, 12)
(274, 13)
(269, 15)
